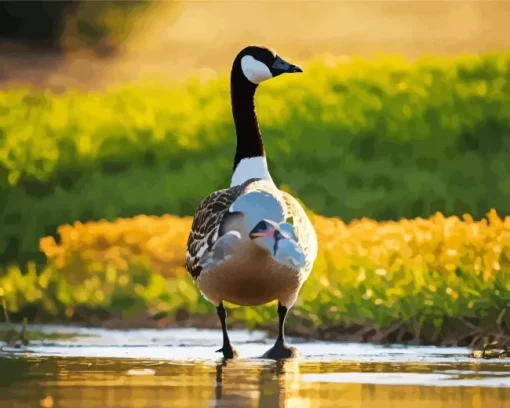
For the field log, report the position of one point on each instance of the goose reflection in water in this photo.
(91, 382)
(245, 383)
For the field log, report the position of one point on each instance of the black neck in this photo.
(249, 139)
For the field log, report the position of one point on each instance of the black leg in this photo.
(227, 349)
(281, 349)
(282, 314)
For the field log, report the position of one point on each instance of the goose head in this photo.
(258, 63)
(252, 65)
(280, 241)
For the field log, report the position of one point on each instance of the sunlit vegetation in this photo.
(434, 280)
(363, 140)
(384, 138)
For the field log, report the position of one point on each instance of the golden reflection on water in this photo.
(104, 383)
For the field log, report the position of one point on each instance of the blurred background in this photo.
(115, 122)
(87, 43)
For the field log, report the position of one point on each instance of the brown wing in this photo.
(206, 224)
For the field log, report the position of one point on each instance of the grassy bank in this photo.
(435, 280)
(384, 138)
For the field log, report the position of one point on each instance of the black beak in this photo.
(295, 68)
(280, 66)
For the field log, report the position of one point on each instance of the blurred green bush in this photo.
(383, 138)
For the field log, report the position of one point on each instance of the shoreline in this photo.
(463, 334)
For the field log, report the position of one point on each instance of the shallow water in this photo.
(179, 368)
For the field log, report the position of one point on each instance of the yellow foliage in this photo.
(441, 244)
(159, 241)
(416, 271)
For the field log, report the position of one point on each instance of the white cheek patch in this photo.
(254, 70)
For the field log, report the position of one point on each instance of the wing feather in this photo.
(207, 222)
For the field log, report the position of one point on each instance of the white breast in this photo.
(252, 167)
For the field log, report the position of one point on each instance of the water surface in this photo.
(179, 368)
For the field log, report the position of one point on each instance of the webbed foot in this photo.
(281, 350)
(229, 352)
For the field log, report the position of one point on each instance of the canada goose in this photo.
(251, 243)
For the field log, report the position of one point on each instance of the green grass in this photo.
(384, 138)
